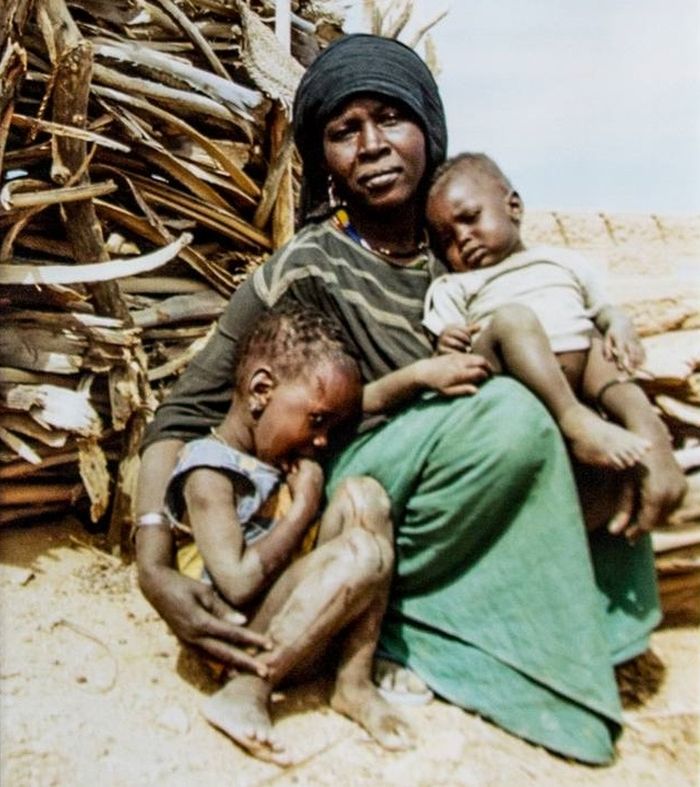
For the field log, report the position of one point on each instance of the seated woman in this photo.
(495, 603)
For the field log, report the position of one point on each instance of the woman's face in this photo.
(375, 152)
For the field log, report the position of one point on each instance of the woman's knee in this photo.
(514, 431)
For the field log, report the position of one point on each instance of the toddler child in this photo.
(531, 312)
(295, 384)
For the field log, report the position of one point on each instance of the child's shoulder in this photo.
(214, 453)
(547, 253)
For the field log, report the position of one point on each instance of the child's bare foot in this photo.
(240, 709)
(595, 441)
(363, 704)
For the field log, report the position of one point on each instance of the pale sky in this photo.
(585, 104)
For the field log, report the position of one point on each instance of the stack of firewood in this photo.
(147, 166)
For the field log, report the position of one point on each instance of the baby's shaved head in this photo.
(478, 163)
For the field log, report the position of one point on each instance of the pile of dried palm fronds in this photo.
(653, 264)
(146, 167)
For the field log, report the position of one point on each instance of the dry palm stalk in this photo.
(185, 101)
(19, 446)
(22, 424)
(14, 494)
(32, 512)
(206, 305)
(53, 406)
(229, 166)
(178, 364)
(11, 199)
(240, 100)
(61, 130)
(196, 36)
(274, 70)
(71, 57)
(102, 271)
(220, 280)
(13, 62)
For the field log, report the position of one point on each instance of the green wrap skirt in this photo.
(500, 601)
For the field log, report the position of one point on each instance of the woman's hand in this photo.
(200, 617)
(649, 495)
(453, 374)
(622, 346)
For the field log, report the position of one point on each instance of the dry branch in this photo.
(102, 271)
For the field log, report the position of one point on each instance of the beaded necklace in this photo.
(342, 222)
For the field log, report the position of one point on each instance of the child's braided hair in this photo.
(292, 338)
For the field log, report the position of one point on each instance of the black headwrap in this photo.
(362, 63)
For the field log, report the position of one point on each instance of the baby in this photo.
(295, 384)
(530, 312)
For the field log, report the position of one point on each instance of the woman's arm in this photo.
(193, 610)
(660, 480)
(620, 343)
(241, 572)
(451, 374)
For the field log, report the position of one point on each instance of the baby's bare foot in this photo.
(595, 441)
(364, 705)
(240, 709)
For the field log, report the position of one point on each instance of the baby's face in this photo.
(474, 220)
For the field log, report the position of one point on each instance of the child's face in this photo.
(300, 413)
(474, 219)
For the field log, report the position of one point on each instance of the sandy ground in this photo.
(95, 690)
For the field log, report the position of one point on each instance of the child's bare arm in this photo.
(456, 338)
(453, 374)
(239, 571)
(621, 343)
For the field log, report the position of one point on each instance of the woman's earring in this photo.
(333, 200)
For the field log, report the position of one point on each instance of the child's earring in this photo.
(333, 200)
(256, 408)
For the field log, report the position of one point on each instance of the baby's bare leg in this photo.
(515, 341)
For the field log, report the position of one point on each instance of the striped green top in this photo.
(378, 303)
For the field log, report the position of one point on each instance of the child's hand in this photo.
(305, 480)
(454, 374)
(622, 345)
(456, 338)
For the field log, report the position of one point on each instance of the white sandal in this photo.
(400, 685)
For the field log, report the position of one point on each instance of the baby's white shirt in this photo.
(561, 286)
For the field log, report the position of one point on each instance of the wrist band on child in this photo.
(149, 520)
(153, 519)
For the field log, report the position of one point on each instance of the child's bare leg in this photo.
(307, 606)
(355, 695)
(660, 481)
(515, 340)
